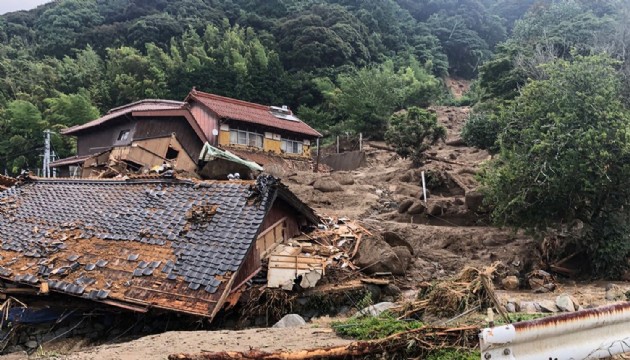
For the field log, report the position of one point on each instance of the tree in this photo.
(412, 132)
(23, 136)
(565, 157)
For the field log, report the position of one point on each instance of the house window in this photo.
(171, 154)
(248, 138)
(123, 136)
(292, 146)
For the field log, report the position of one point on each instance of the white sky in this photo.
(15, 5)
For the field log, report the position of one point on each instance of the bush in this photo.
(482, 131)
(412, 132)
(373, 327)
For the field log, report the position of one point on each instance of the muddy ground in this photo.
(449, 232)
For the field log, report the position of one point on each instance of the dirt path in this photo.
(158, 347)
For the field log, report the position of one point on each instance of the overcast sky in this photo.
(15, 5)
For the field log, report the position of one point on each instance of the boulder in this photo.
(614, 292)
(375, 255)
(565, 303)
(528, 307)
(416, 208)
(405, 205)
(375, 310)
(327, 185)
(474, 200)
(408, 190)
(510, 283)
(548, 306)
(437, 208)
(392, 290)
(393, 239)
(32, 344)
(343, 178)
(510, 307)
(289, 321)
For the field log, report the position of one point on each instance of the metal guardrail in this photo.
(588, 334)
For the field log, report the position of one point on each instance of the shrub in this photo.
(482, 131)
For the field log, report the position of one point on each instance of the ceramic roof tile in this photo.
(56, 220)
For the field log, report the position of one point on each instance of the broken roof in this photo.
(244, 111)
(163, 243)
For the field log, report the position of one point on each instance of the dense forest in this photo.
(550, 94)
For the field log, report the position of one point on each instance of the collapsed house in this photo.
(140, 136)
(143, 244)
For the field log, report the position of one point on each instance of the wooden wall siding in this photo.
(206, 120)
(159, 127)
(250, 266)
(279, 211)
(270, 237)
(104, 137)
(160, 147)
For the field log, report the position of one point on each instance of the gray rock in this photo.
(327, 185)
(565, 303)
(289, 321)
(405, 205)
(32, 344)
(528, 307)
(437, 208)
(548, 306)
(343, 178)
(375, 310)
(510, 307)
(392, 290)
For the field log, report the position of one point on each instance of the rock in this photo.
(408, 190)
(510, 307)
(416, 208)
(565, 303)
(548, 306)
(375, 255)
(375, 310)
(393, 239)
(458, 201)
(392, 290)
(452, 156)
(343, 178)
(289, 321)
(437, 208)
(528, 307)
(405, 205)
(474, 200)
(614, 292)
(510, 283)
(327, 185)
(32, 344)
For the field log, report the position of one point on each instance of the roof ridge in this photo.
(231, 100)
(146, 101)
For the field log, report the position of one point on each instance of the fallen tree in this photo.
(417, 342)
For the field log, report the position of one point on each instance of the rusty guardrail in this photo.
(588, 334)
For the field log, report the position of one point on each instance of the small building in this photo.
(241, 125)
(143, 244)
(135, 137)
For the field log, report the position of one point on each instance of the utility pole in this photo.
(46, 164)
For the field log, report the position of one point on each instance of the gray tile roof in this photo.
(168, 243)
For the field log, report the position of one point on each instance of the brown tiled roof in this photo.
(244, 111)
(165, 243)
(142, 105)
(70, 161)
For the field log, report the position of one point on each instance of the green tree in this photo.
(23, 136)
(565, 157)
(412, 132)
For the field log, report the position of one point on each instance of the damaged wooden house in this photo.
(143, 244)
(133, 138)
(188, 136)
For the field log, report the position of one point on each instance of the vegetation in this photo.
(412, 132)
(372, 327)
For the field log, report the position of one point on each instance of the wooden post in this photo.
(360, 141)
(337, 144)
(317, 159)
